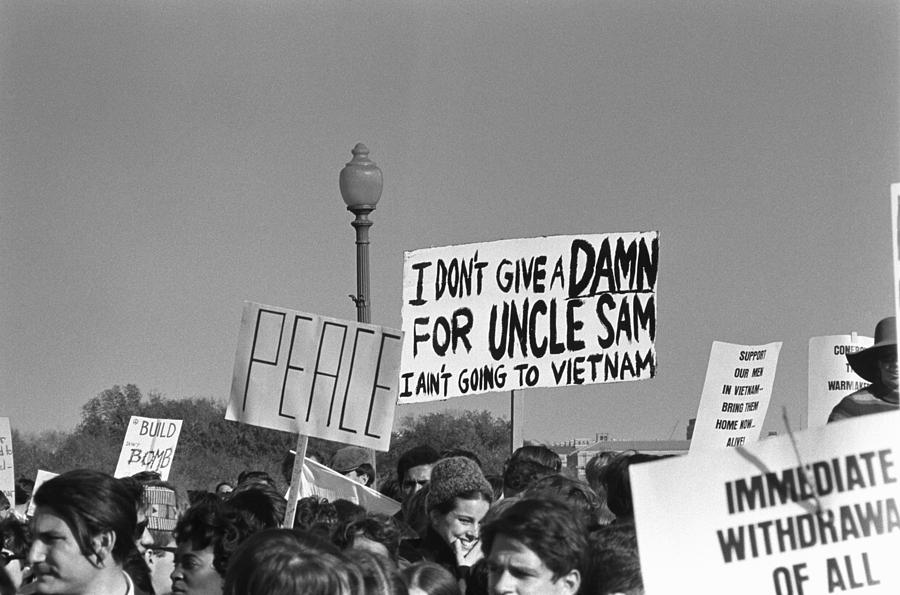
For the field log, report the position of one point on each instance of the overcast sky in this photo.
(163, 162)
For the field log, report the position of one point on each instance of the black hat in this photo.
(865, 362)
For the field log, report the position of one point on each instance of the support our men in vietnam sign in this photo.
(814, 516)
(316, 376)
(524, 313)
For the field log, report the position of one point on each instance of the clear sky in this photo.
(162, 162)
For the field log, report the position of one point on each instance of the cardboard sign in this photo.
(316, 376)
(149, 445)
(830, 376)
(7, 473)
(525, 313)
(39, 479)
(736, 394)
(323, 482)
(895, 236)
(769, 520)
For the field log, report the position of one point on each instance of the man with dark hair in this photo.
(536, 546)
(414, 469)
(355, 462)
(614, 566)
(82, 532)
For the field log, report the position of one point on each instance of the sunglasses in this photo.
(159, 551)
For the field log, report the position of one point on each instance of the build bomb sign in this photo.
(149, 445)
(525, 313)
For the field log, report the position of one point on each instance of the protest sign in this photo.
(895, 236)
(772, 519)
(736, 394)
(7, 473)
(315, 376)
(323, 482)
(830, 376)
(39, 479)
(525, 313)
(149, 445)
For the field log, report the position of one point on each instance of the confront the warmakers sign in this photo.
(525, 313)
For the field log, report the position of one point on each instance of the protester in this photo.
(539, 454)
(428, 578)
(521, 473)
(316, 515)
(262, 504)
(82, 530)
(376, 533)
(223, 489)
(15, 540)
(576, 493)
(618, 484)
(355, 462)
(379, 574)
(878, 365)
(287, 562)
(414, 469)
(458, 498)
(537, 546)
(206, 536)
(161, 503)
(614, 567)
(594, 471)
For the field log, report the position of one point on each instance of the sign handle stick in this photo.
(517, 420)
(296, 480)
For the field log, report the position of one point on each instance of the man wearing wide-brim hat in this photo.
(878, 365)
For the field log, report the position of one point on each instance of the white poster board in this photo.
(149, 445)
(323, 482)
(316, 376)
(525, 313)
(830, 376)
(39, 479)
(744, 521)
(736, 394)
(7, 472)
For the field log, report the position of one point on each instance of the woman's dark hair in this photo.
(260, 502)
(577, 494)
(618, 483)
(90, 503)
(540, 454)
(379, 574)
(15, 536)
(430, 577)
(448, 505)
(284, 562)
(379, 528)
(216, 524)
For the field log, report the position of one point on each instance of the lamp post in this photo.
(361, 184)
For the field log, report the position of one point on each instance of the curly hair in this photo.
(216, 524)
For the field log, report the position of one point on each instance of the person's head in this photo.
(223, 488)
(252, 476)
(414, 469)
(160, 559)
(15, 539)
(618, 483)
(354, 462)
(536, 546)
(378, 574)
(461, 452)
(519, 474)
(83, 530)
(878, 363)
(206, 536)
(577, 494)
(284, 562)
(262, 505)
(458, 498)
(429, 578)
(614, 565)
(539, 454)
(377, 533)
(316, 515)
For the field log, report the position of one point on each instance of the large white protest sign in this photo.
(39, 479)
(524, 313)
(323, 482)
(7, 473)
(830, 376)
(316, 376)
(149, 445)
(769, 520)
(736, 394)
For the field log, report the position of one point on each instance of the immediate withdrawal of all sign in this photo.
(539, 312)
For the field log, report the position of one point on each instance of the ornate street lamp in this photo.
(361, 185)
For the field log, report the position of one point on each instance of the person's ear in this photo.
(103, 546)
(570, 581)
(433, 516)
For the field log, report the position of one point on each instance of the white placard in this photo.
(736, 394)
(317, 376)
(7, 471)
(39, 479)
(149, 445)
(323, 482)
(525, 313)
(830, 376)
(766, 520)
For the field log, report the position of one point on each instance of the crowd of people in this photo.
(533, 530)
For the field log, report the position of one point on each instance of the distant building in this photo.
(578, 458)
